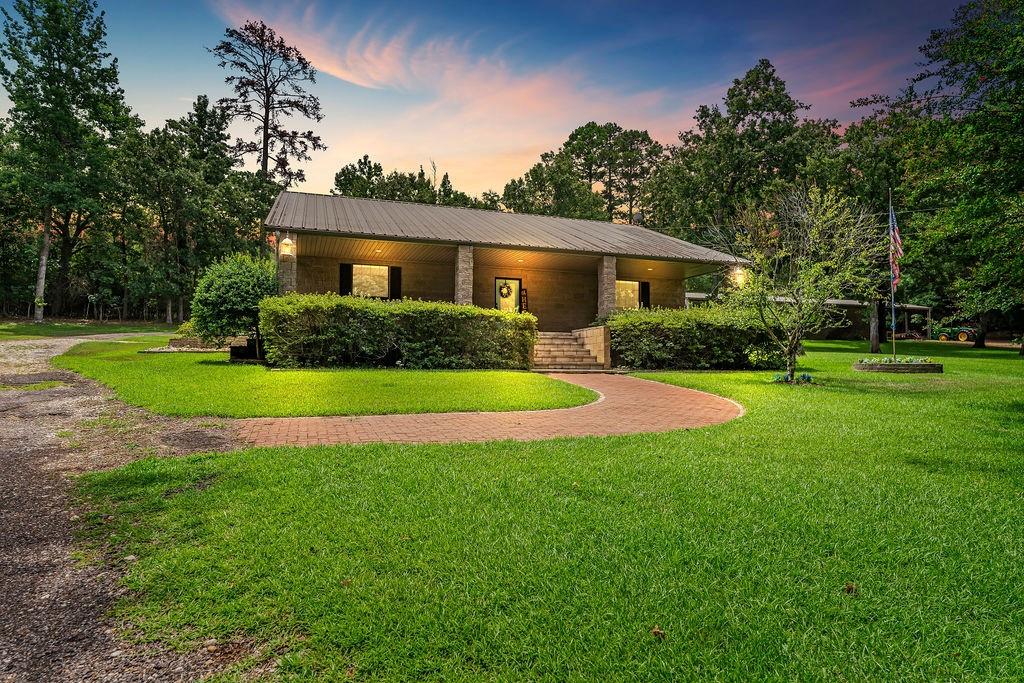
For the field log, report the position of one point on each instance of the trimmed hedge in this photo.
(704, 337)
(323, 330)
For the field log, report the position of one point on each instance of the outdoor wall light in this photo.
(287, 248)
(739, 276)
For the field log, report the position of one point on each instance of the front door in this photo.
(506, 293)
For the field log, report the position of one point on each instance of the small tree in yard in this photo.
(227, 298)
(807, 248)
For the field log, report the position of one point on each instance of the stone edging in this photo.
(899, 368)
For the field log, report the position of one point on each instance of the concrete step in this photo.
(558, 347)
(563, 352)
(578, 371)
(564, 359)
(567, 349)
(568, 366)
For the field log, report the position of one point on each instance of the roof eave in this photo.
(729, 261)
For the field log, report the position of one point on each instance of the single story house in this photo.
(565, 271)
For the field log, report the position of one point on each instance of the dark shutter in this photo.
(645, 295)
(345, 279)
(394, 282)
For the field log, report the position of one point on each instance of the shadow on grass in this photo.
(967, 464)
(146, 479)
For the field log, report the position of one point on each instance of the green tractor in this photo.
(959, 333)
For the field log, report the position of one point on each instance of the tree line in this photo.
(101, 217)
(948, 147)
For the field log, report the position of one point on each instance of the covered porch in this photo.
(564, 290)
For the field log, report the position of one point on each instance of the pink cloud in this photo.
(479, 117)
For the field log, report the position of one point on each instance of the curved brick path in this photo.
(628, 405)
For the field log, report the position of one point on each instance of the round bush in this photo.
(227, 299)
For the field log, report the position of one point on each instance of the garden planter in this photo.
(909, 368)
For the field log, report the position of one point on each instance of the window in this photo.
(632, 294)
(377, 282)
(370, 281)
(627, 294)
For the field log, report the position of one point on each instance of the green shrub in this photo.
(227, 298)
(186, 329)
(318, 330)
(704, 337)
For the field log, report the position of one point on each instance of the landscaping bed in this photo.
(898, 365)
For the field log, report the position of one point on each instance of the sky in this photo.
(483, 89)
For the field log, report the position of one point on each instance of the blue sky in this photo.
(482, 89)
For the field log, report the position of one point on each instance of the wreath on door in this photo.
(505, 290)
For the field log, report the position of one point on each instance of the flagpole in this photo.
(892, 278)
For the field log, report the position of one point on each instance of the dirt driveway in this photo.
(54, 623)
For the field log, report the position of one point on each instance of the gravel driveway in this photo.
(54, 623)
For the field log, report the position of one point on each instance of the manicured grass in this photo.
(18, 330)
(207, 384)
(866, 527)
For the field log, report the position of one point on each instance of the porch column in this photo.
(287, 267)
(464, 275)
(606, 286)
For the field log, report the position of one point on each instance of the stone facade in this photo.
(464, 275)
(561, 300)
(597, 340)
(287, 274)
(605, 286)
(668, 293)
(427, 281)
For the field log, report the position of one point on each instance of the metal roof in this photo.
(305, 212)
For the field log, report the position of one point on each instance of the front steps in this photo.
(563, 351)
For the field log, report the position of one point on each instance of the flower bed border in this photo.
(909, 368)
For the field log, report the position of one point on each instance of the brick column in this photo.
(464, 275)
(287, 269)
(605, 286)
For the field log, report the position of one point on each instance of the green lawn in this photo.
(867, 527)
(207, 384)
(18, 330)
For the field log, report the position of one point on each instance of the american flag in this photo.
(895, 248)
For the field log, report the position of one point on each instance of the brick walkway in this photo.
(627, 405)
